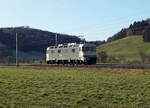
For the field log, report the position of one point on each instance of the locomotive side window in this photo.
(59, 51)
(73, 50)
(83, 49)
(52, 51)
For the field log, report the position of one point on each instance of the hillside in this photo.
(32, 42)
(137, 28)
(128, 47)
(32, 39)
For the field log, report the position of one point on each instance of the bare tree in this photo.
(102, 57)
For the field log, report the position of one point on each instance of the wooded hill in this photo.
(130, 44)
(129, 49)
(32, 42)
(137, 28)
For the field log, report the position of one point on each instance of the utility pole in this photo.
(82, 38)
(17, 49)
(56, 39)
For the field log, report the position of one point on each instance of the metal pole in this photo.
(56, 39)
(16, 49)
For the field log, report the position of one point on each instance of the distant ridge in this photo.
(137, 28)
(30, 40)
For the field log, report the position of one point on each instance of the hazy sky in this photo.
(95, 19)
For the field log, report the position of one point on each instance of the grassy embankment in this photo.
(129, 47)
(74, 87)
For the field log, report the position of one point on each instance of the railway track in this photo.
(124, 66)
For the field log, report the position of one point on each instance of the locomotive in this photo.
(71, 53)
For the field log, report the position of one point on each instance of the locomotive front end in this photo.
(89, 53)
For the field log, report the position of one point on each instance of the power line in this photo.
(56, 39)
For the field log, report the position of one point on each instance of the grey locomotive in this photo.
(71, 53)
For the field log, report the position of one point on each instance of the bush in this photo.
(102, 57)
(146, 35)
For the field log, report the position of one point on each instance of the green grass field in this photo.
(26, 87)
(128, 47)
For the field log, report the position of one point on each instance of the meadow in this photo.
(32, 87)
(128, 47)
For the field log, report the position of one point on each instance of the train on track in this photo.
(71, 53)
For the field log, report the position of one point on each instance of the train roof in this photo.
(70, 45)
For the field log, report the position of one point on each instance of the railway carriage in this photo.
(71, 53)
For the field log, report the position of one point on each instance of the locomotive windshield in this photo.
(89, 49)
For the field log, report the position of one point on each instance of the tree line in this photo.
(137, 28)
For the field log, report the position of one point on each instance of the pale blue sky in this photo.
(95, 19)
